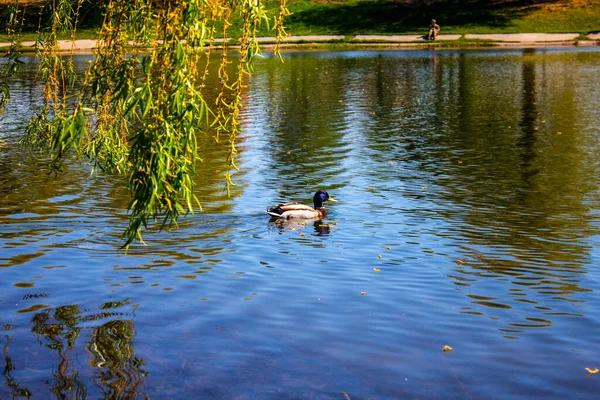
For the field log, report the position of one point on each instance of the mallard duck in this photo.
(302, 211)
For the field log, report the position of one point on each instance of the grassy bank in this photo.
(351, 17)
(467, 16)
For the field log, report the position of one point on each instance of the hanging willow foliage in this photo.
(140, 105)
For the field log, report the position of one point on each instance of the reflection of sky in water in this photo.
(468, 178)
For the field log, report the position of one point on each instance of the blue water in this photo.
(468, 215)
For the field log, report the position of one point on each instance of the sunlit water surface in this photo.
(468, 215)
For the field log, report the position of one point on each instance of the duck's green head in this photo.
(320, 197)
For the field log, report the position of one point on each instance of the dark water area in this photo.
(468, 215)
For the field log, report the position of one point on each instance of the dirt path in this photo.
(526, 37)
(501, 39)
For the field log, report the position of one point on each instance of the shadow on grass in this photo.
(34, 12)
(397, 16)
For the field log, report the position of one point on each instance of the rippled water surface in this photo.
(468, 213)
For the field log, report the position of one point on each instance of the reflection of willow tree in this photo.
(304, 115)
(10, 382)
(111, 346)
(59, 328)
(139, 109)
(119, 373)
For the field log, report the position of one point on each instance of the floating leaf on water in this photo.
(559, 133)
(24, 284)
(536, 129)
(302, 234)
(278, 190)
(33, 308)
(388, 248)
(380, 256)
(509, 127)
(447, 349)
(376, 270)
(368, 188)
(543, 121)
(363, 293)
(592, 371)
(459, 161)
(461, 262)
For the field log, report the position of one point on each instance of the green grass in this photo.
(387, 17)
(455, 16)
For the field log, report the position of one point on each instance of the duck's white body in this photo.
(296, 211)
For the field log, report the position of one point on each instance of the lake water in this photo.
(468, 178)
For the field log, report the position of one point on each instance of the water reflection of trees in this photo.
(306, 117)
(496, 137)
(519, 187)
(499, 144)
(14, 385)
(59, 329)
(118, 372)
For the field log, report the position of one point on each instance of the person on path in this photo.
(433, 30)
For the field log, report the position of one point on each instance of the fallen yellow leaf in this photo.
(376, 270)
(302, 234)
(592, 371)
(447, 349)
(363, 293)
(380, 256)
(461, 262)
(559, 133)
(388, 248)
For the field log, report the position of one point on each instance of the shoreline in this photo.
(87, 46)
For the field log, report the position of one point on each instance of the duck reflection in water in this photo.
(286, 225)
